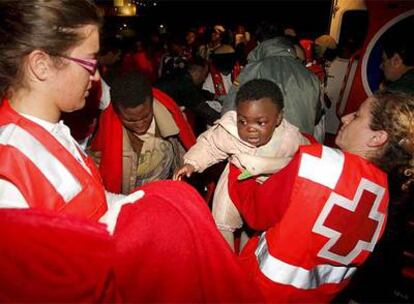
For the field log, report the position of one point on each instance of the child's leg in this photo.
(225, 214)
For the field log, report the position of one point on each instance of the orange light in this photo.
(129, 10)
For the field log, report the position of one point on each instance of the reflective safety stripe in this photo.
(286, 274)
(54, 171)
(325, 170)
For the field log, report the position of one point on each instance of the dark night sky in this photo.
(310, 18)
(304, 15)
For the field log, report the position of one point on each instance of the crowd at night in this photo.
(158, 151)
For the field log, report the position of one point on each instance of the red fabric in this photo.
(128, 64)
(145, 66)
(301, 206)
(166, 248)
(108, 140)
(318, 70)
(307, 45)
(186, 135)
(236, 71)
(245, 195)
(217, 79)
(219, 88)
(175, 253)
(17, 168)
(54, 258)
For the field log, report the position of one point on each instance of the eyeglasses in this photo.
(91, 65)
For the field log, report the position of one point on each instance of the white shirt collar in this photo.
(49, 126)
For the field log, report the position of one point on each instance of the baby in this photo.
(255, 138)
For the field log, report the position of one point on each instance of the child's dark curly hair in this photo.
(260, 88)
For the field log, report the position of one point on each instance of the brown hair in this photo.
(393, 112)
(48, 25)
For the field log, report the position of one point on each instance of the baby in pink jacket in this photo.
(255, 138)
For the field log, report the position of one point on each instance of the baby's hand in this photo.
(186, 170)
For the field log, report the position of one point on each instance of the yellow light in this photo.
(129, 10)
(118, 2)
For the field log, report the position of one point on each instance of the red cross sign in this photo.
(351, 225)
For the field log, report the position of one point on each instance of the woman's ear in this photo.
(378, 139)
(38, 65)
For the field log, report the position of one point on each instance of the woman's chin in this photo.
(338, 141)
(79, 106)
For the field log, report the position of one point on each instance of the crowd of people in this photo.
(96, 217)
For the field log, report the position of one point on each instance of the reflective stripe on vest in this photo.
(286, 274)
(325, 170)
(54, 171)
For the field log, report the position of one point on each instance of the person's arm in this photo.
(212, 147)
(263, 205)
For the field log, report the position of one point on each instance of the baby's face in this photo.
(256, 120)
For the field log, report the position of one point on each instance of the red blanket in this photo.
(166, 248)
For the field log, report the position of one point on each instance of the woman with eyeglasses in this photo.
(47, 64)
(52, 249)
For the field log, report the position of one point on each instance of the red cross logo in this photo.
(351, 225)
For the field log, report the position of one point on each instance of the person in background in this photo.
(255, 137)
(324, 50)
(224, 69)
(241, 35)
(186, 89)
(290, 33)
(190, 48)
(398, 62)
(214, 37)
(174, 61)
(109, 58)
(242, 44)
(141, 136)
(275, 59)
(334, 201)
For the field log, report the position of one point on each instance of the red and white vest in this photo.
(336, 214)
(30, 157)
(217, 78)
